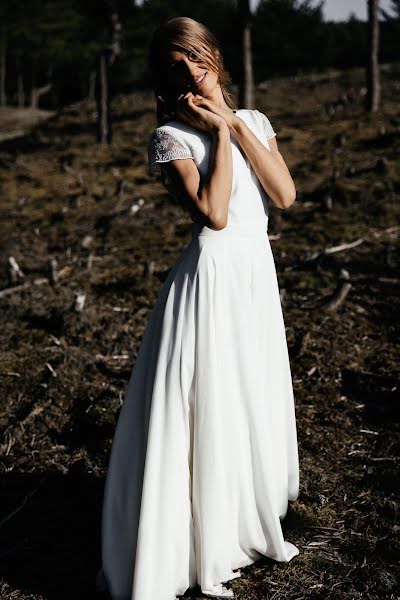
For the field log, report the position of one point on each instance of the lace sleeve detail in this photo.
(266, 124)
(163, 146)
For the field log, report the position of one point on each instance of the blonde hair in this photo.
(186, 35)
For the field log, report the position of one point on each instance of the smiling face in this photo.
(186, 72)
(184, 56)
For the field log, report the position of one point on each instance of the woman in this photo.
(204, 457)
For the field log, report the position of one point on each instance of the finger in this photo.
(196, 101)
(183, 96)
(191, 102)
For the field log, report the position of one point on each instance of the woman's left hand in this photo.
(226, 113)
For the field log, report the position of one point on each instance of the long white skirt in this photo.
(204, 457)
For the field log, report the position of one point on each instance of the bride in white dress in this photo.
(204, 458)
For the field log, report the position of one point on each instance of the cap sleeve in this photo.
(164, 146)
(266, 125)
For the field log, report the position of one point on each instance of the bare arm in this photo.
(211, 196)
(269, 165)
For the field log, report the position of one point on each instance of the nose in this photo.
(190, 68)
(189, 71)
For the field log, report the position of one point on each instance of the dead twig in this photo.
(14, 271)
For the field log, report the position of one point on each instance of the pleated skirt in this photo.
(204, 458)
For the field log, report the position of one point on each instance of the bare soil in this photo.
(64, 371)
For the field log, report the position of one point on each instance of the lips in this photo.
(199, 80)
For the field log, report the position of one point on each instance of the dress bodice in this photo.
(177, 140)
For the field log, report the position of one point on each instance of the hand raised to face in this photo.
(222, 111)
(193, 110)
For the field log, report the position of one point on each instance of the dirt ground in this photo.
(87, 225)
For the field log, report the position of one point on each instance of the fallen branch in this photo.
(54, 276)
(20, 506)
(334, 249)
(23, 286)
(339, 295)
(391, 231)
(380, 458)
(302, 344)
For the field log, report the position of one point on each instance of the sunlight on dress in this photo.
(205, 457)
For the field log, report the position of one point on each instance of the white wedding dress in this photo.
(204, 457)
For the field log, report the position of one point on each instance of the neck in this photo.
(217, 97)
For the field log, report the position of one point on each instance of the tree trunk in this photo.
(91, 89)
(104, 133)
(20, 86)
(246, 83)
(373, 80)
(3, 98)
(105, 62)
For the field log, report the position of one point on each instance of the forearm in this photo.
(269, 167)
(216, 189)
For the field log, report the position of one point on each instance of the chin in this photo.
(208, 91)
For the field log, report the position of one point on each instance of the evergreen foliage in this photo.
(58, 41)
